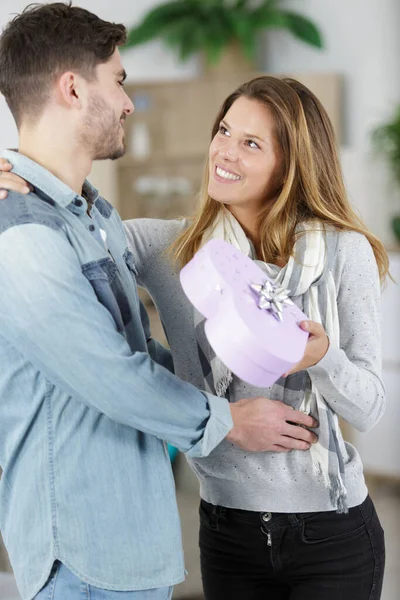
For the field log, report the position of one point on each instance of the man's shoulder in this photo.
(105, 208)
(22, 209)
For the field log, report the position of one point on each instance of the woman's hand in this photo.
(10, 181)
(316, 348)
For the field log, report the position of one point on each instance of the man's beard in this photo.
(101, 134)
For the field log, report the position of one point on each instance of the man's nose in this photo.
(129, 106)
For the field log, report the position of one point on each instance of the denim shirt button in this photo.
(92, 227)
(78, 202)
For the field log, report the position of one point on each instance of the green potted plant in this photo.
(214, 26)
(386, 139)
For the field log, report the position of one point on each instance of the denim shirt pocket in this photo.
(106, 282)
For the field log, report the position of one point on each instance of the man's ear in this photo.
(70, 88)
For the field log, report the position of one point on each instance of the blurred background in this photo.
(179, 72)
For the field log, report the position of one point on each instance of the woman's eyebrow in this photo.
(246, 133)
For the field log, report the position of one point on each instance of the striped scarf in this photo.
(308, 277)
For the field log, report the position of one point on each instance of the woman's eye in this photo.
(253, 144)
(121, 83)
(223, 130)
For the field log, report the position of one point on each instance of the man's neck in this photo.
(67, 163)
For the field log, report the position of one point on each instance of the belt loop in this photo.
(214, 517)
(222, 512)
(293, 519)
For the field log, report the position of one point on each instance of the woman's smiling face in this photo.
(244, 157)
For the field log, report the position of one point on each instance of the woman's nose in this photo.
(230, 152)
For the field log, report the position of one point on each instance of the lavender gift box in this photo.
(251, 324)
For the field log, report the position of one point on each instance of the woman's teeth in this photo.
(226, 174)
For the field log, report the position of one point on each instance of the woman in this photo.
(282, 525)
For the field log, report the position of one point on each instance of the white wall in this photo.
(362, 42)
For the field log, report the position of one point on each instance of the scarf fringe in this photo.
(222, 384)
(337, 490)
(338, 495)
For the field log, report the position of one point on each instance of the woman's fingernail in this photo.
(26, 190)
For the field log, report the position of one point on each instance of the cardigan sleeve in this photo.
(148, 238)
(350, 377)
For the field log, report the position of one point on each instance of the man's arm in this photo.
(50, 313)
(157, 351)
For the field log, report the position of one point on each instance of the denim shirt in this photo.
(86, 399)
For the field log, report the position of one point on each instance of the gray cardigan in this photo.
(349, 378)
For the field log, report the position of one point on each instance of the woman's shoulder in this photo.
(353, 244)
(151, 236)
(354, 257)
(161, 230)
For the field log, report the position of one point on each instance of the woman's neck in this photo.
(249, 223)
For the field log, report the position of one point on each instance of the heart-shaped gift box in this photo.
(251, 324)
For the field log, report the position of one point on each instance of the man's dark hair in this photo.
(43, 42)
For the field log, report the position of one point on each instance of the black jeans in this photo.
(249, 555)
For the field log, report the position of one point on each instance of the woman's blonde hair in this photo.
(312, 185)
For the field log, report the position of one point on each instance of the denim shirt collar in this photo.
(54, 190)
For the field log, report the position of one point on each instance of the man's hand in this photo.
(316, 348)
(261, 425)
(10, 181)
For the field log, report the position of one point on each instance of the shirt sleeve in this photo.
(157, 351)
(350, 377)
(50, 313)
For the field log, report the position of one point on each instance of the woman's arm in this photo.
(350, 377)
(148, 239)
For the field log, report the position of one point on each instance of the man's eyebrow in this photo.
(122, 74)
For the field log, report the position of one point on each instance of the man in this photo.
(87, 498)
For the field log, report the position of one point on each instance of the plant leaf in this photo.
(266, 17)
(158, 20)
(244, 31)
(184, 36)
(210, 25)
(386, 139)
(217, 32)
(304, 29)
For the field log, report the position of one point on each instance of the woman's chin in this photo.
(219, 197)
